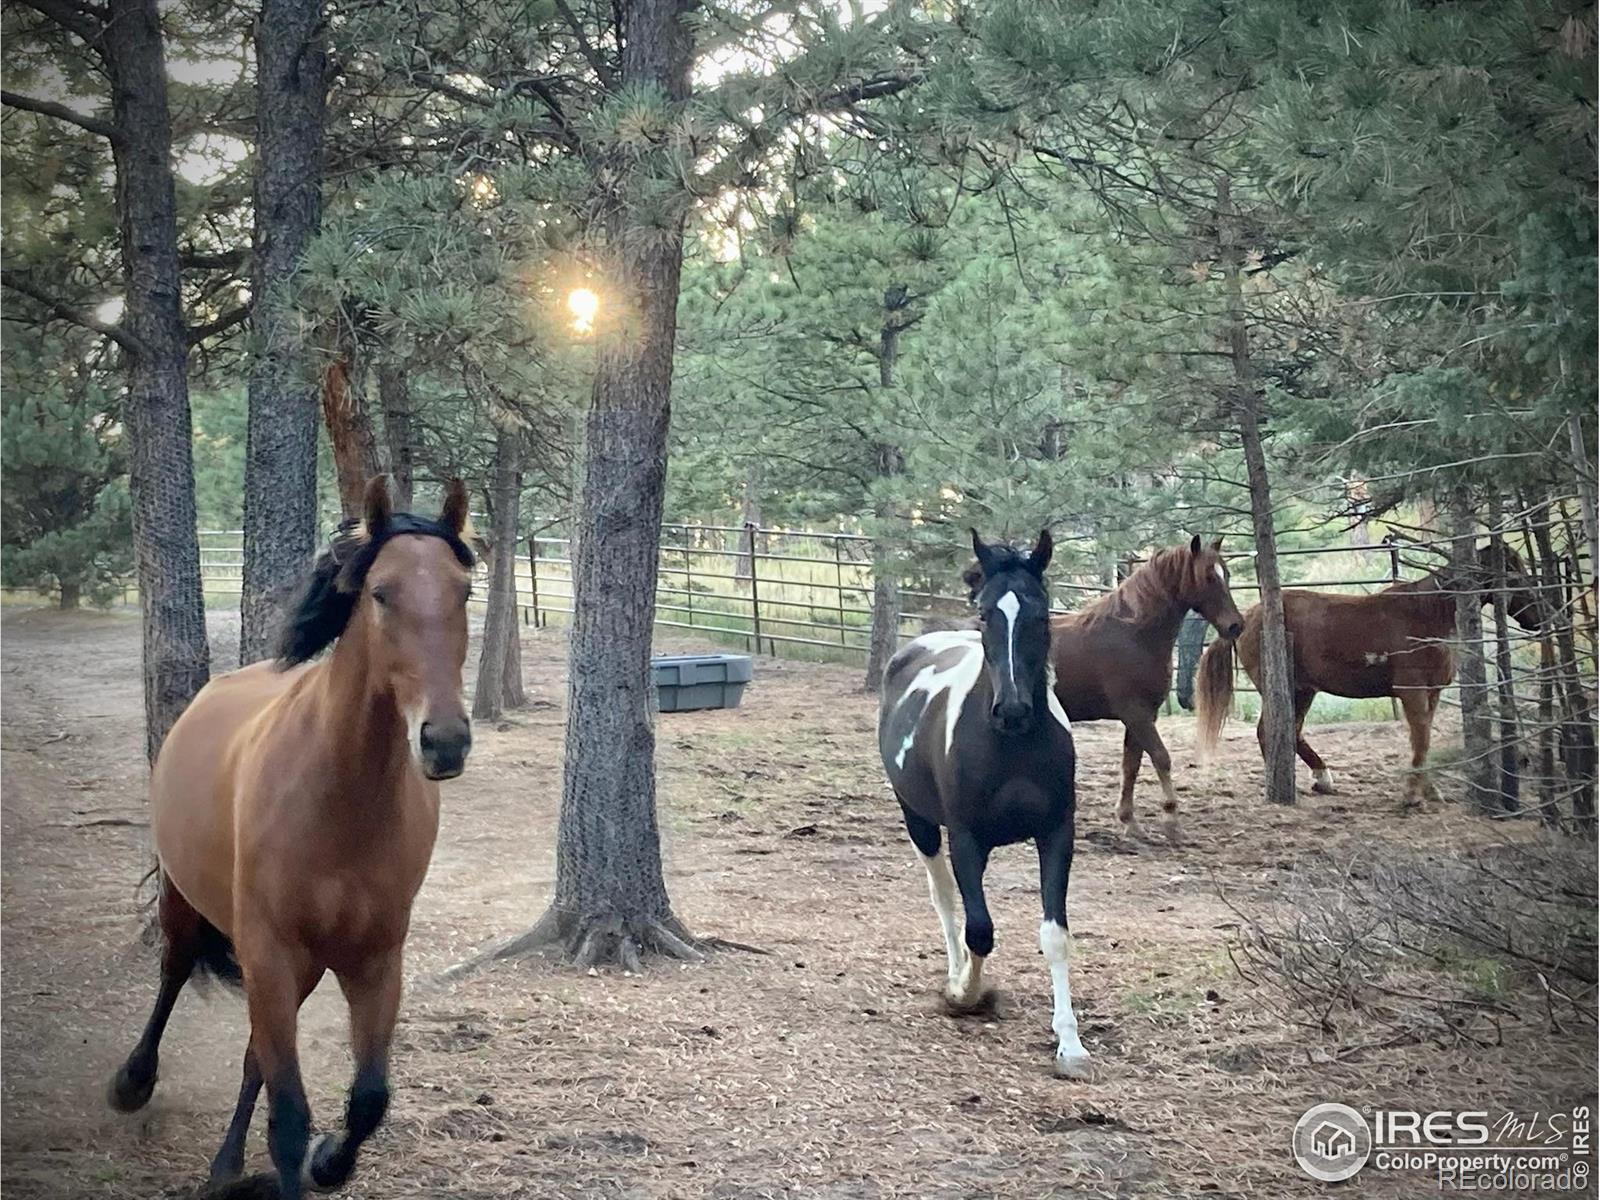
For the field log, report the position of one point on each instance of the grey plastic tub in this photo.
(685, 682)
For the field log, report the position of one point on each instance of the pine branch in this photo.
(85, 20)
(234, 316)
(591, 54)
(64, 311)
(219, 260)
(61, 112)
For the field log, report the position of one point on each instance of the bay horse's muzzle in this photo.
(1233, 630)
(444, 746)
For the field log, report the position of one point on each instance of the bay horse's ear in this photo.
(454, 513)
(1217, 545)
(1042, 550)
(1194, 544)
(376, 508)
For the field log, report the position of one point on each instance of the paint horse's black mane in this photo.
(325, 604)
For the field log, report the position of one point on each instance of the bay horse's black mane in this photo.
(328, 598)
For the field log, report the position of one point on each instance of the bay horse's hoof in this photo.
(1322, 783)
(322, 1171)
(131, 1087)
(1074, 1066)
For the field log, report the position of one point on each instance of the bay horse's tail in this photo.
(214, 956)
(1213, 694)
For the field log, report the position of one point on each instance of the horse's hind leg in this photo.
(1055, 865)
(941, 890)
(229, 1162)
(373, 993)
(968, 858)
(180, 934)
(1418, 705)
(1321, 777)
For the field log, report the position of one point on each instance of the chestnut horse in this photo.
(1390, 643)
(294, 807)
(1113, 659)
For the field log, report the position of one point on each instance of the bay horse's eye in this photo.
(381, 596)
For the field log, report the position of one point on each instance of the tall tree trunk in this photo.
(750, 521)
(394, 395)
(350, 435)
(610, 901)
(280, 480)
(1508, 732)
(1276, 727)
(885, 635)
(490, 698)
(1578, 749)
(156, 420)
(1472, 676)
(71, 595)
(1585, 472)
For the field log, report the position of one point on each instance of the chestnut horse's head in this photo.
(1522, 593)
(1204, 588)
(401, 583)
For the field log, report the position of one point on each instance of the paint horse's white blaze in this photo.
(1010, 606)
(1072, 1060)
(955, 680)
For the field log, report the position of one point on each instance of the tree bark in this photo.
(394, 395)
(1276, 726)
(884, 638)
(71, 595)
(610, 902)
(750, 521)
(280, 487)
(1508, 731)
(156, 419)
(493, 695)
(1578, 749)
(350, 436)
(1472, 675)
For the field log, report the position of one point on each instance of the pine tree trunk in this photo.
(1578, 749)
(1508, 730)
(1276, 726)
(71, 596)
(351, 439)
(1472, 676)
(500, 623)
(280, 484)
(156, 420)
(884, 639)
(750, 520)
(610, 902)
(394, 394)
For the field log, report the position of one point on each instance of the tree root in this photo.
(606, 940)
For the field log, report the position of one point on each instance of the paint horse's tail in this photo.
(1213, 694)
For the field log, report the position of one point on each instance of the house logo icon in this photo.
(1331, 1142)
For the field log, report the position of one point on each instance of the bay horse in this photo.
(1113, 659)
(294, 806)
(975, 742)
(1394, 642)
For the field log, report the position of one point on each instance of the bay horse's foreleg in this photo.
(1132, 754)
(1321, 777)
(941, 890)
(229, 1161)
(181, 926)
(373, 993)
(1055, 866)
(968, 858)
(1147, 736)
(278, 977)
(1418, 704)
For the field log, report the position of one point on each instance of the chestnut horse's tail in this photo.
(1213, 694)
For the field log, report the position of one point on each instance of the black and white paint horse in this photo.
(975, 741)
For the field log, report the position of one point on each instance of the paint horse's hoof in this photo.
(1074, 1066)
(958, 1004)
(324, 1172)
(131, 1087)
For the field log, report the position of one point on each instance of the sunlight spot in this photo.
(585, 306)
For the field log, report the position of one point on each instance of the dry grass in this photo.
(824, 1068)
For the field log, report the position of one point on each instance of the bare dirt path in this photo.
(824, 1068)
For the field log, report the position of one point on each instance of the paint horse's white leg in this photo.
(942, 891)
(1322, 782)
(1072, 1060)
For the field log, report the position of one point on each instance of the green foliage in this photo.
(65, 510)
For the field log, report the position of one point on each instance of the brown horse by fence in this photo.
(1390, 643)
(1113, 660)
(294, 807)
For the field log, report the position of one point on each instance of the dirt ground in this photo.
(823, 1068)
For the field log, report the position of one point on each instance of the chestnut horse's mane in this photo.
(1150, 590)
(328, 598)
